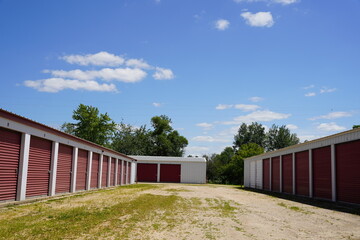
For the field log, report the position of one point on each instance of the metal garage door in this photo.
(302, 173)
(64, 166)
(252, 174)
(146, 172)
(321, 161)
(95, 171)
(348, 172)
(81, 170)
(112, 172)
(258, 174)
(170, 173)
(266, 174)
(9, 163)
(275, 174)
(287, 173)
(39, 167)
(119, 172)
(104, 171)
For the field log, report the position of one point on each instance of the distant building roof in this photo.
(168, 159)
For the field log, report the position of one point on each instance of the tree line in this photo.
(159, 140)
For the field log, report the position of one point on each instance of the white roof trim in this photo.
(168, 159)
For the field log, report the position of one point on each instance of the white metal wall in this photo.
(252, 174)
(193, 172)
(133, 173)
(259, 175)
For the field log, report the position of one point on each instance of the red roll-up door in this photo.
(170, 173)
(146, 172)
(348, 172)
(39, 167)
(104, 171)
(321, 161)
(119, 172)
(95, 171)
(266, 174)
(129, 172)
(112, 175)
(287, 173)
(10, 143)
(81, 174)
(302, 173)
(275, 174)
(64, 167)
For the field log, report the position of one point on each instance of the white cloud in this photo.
(292, 126)
(310, 94)
(163, 74)
(209, 139)
(223, 106)
(128, 75)
(258, 116)
(333, 115)
(54, 85)
(309, 87)
(137, 63)
(97, 59)
(205, 125)
(283, 2)
(156, 104)
(197, 149)
(327, 90)
(247, 107)
(256, 99)
(222, 24)
(286, 2)
(259, 19)
(330, 127)
(304, 138)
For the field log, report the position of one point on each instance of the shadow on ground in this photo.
(336, 206)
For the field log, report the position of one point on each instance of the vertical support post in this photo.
(127, 172)
(88, 170)
(109, 173)
(158, 173)
(310, 174)
(23, 167)
(116, 171)
(281, 178)
(53, 169)
(100, 170)
(333, 172)
(122, 173)
(74, 169)
(293, 173)
(270, 174)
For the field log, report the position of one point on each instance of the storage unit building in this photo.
(326, 168)
(37, 160)
(170, 169)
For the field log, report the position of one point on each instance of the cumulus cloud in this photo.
(223, 106)
(97, 59)
(285, 2)
(309, 87)
(127, 75)
(163, 74)
(54, 85)
(156, 104)
(209, 139)
(222, 24)
(205, 125)
(247, 107)
(333, 115)
(258, 116)
(259, 19)
(256, 99)
(310, 94)
(330, 127)
(137, 63)
(292, 126)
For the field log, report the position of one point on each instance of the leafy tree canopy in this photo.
(253, 133)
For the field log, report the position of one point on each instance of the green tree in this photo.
(253, 133)
(280, 137)
(90, 125)
(356, 126)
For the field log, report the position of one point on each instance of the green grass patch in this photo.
(294, 208)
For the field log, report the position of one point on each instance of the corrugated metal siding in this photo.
(193, 172)
(258, 174)
(39, 167)
(104, 174)
(246, 173)
(266, 174)
(95, 170)
(10, 142)
(112, 176)
(287, 173)
(170, 173)
(64, 166)
(348, 172)
(275, 174)
(146, 172)
(321, 161)
(252, 174)
(81, 170)
(302, 173)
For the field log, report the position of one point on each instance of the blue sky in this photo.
(208, 64)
